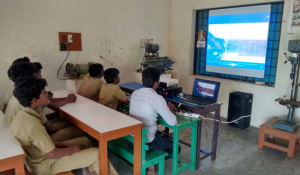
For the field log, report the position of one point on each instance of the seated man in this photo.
(53, 103)
(9, 91)
(111, 93)
(92, 83)
(38, 67)
(59, 131)
(146, 104)
(43, 155)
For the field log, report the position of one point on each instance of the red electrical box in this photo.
(69, 41)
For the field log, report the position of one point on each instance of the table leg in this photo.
(175, 151)
(19, 169)
(103, 157)
(194, 145)
(215, 134)
(261, 138)
(137, 151)
(198, 144)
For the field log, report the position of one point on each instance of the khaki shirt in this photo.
(110, 95)
(27, 129)
(9, 92)
(90, 87)
(14, 107)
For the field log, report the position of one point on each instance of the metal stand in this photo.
(289, 123)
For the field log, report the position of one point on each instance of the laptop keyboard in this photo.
(194, 100)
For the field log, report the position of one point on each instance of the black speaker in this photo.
(240, 104)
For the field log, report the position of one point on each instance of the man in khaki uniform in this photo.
(59, 130)
(11, 86)
(92, 83)
(111, 93)
(45, 156)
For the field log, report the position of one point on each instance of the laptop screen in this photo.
(206, 89)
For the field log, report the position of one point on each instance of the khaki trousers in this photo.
(67, 134)
(85, 158)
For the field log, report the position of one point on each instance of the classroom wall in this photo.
(181, 50)
(110, 29)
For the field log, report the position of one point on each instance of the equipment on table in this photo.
(152, 59)
(172, 91)
(167, 82)
(205, 93)
(77, 70)
(289, 124)
(240, 104)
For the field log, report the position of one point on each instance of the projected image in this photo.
(204, 89)
(237, 38)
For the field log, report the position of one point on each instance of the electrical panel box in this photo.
(69, 41)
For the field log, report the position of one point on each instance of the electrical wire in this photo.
(61, 66)
(76, 58)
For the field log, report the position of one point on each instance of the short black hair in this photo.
(38, 66)
(21, 70)
(150, 76)
(95, 69)
(21, 60)
(110, 75)
(29, 88)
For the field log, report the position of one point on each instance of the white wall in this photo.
(181, 50)
(112, 29)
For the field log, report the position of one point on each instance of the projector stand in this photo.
(289, 124)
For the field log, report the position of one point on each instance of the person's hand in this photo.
(50, 94)
(78, 148)
(171, 107)
(72, 98)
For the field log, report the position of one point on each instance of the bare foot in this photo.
(85, 171)
(151, 170)
(93, 173)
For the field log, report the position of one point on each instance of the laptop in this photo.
(205, 93)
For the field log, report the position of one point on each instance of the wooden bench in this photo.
(11, 153)
(123, 149)
(268, 129)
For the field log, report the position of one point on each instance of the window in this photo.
(271, 55)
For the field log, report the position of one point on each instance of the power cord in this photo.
(61, 66)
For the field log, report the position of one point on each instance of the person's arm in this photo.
(55, 105)
(61, 152)
(56, 99)
(126, 102)
(164, 111)
(62, 145)
(120, 95)
(50, 128)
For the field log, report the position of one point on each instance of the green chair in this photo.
(123, 107)
(123, 149)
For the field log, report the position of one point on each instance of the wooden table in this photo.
(216, 108)
(268, 129)
(104, 124)
(11, 153)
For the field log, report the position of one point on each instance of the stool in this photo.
(267, 129)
